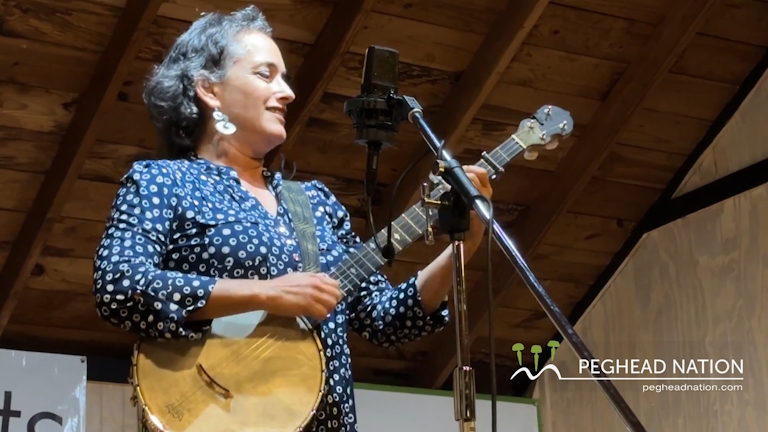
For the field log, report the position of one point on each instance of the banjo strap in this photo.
(297, 202)
(295, 198)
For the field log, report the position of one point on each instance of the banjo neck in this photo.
(361, 264)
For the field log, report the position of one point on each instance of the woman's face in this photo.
(254, 95)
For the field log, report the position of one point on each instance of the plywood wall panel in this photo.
(694, 289)
(108, 408)
(742, 142)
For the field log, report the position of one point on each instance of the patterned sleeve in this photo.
(131, 288)
(381, 313)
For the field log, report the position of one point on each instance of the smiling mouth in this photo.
(279, 111)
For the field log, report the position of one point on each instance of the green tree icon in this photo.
(553, 344)
(536, 350)
(519, 347)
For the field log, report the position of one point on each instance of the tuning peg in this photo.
(552, 144)
(427, 203)
(530, 154)
(439, 167)
(429, 234)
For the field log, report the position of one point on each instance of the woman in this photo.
(201, 234)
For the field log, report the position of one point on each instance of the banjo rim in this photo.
(151, 422)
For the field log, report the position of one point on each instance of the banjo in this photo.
(259, 372)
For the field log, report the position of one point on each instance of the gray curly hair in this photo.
(205, 51)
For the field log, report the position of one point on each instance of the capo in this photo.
(497, 169)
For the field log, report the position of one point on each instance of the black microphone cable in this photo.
(371, 175)
(491, 327)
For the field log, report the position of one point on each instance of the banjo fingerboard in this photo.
(360, 265)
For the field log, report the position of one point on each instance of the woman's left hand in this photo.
(479, 177)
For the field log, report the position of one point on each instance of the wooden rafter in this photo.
(320, 65)
(94, 103)
(488, 63)
(660, 52)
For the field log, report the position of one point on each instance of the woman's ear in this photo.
(207, 93)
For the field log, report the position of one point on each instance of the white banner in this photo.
(401, 411)
(42, 392)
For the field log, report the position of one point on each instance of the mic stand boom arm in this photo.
(461, 194)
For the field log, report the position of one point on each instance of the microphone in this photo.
(376, 119)
(372, 112)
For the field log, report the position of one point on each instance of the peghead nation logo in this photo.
(535, 350)
(638, 369)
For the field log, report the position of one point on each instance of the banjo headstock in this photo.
(546, 127)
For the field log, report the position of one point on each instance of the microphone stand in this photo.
(454, 207)
(453, 219)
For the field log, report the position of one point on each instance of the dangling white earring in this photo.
(222, 123)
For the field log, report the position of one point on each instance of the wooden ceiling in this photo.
(643, 80)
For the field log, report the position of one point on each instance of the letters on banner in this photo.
(41, 392)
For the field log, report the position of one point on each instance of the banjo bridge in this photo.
(212, 383)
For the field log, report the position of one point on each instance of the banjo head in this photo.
(254, 372)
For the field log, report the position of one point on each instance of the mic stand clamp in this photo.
(453, 219)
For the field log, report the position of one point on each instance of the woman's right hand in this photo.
(313, 295)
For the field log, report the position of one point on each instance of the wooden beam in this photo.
(319, 66)
(489, 62)
(94, 103)
(660, 52)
